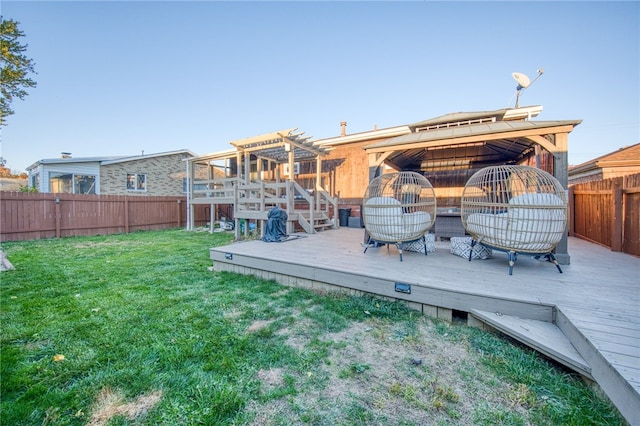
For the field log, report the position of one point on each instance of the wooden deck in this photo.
(587, 318)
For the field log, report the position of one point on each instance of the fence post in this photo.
(57, 217)
(617, 225)
(179, 213)
(126, 214)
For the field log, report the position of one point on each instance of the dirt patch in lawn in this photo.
(386, 373)
(258, 325)
(110, 404)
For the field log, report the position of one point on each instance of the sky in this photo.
(126, 77)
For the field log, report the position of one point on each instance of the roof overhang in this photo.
(474, 145)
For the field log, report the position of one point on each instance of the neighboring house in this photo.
(625, 161)
(158, 174)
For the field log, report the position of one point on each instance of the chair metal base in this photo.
(398, 244)
(513, 255)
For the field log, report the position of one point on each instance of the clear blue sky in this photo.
(119, 77)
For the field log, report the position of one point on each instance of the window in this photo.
(69, 183)
(136, 182)
(285, 169)
(84, 184)
(61, 183)
(35, 181)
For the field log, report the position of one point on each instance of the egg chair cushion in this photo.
(533, 223)
(387, 222)
(536, 221)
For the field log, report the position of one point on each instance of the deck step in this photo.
(542, 336)
(320, 219)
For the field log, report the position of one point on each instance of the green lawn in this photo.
(135, 330)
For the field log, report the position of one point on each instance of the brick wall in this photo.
(164, 175)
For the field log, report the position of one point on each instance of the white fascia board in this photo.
(363, 136)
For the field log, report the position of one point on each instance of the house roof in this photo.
(145, 156)
(458, 118)
(104, 159)
(623, 157)
(465, 146)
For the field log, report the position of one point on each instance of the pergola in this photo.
(220, 186)
(281, 147)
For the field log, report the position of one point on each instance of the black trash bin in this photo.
(343, 216)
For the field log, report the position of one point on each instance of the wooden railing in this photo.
(253, 202)
(214, 188)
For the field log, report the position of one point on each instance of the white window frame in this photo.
(139, 182)
(73, 181)
(296, 169)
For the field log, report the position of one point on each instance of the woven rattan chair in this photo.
(515, 209)
(398, 208)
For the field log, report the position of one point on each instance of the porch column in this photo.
(290, 149)
(318, 177)
(259, 167)
(239, 165)
(247, 168)
(561, 172)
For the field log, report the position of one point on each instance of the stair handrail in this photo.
(293, 190)
(329, 200)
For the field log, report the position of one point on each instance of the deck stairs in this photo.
(321, 221)
(542, 336)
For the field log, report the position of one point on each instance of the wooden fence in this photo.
(31, 216)
(607, 212)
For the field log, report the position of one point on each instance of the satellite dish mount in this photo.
(523, 82)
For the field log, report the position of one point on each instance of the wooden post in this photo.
(126, 215)
(572, 211)
(57, 200)
(179, 213)
(247, 168)
(617, 225)
(212, 218)
(561, 172)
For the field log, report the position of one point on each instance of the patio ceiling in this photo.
(276, 146)
(470, 146)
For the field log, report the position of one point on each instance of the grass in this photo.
(135, 330)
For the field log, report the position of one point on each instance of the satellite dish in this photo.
(523, 82)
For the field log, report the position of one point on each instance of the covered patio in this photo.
(449, 149)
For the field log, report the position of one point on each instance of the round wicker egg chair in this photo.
(515, 209)
(398, 208)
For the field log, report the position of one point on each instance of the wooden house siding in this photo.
(351, 169)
